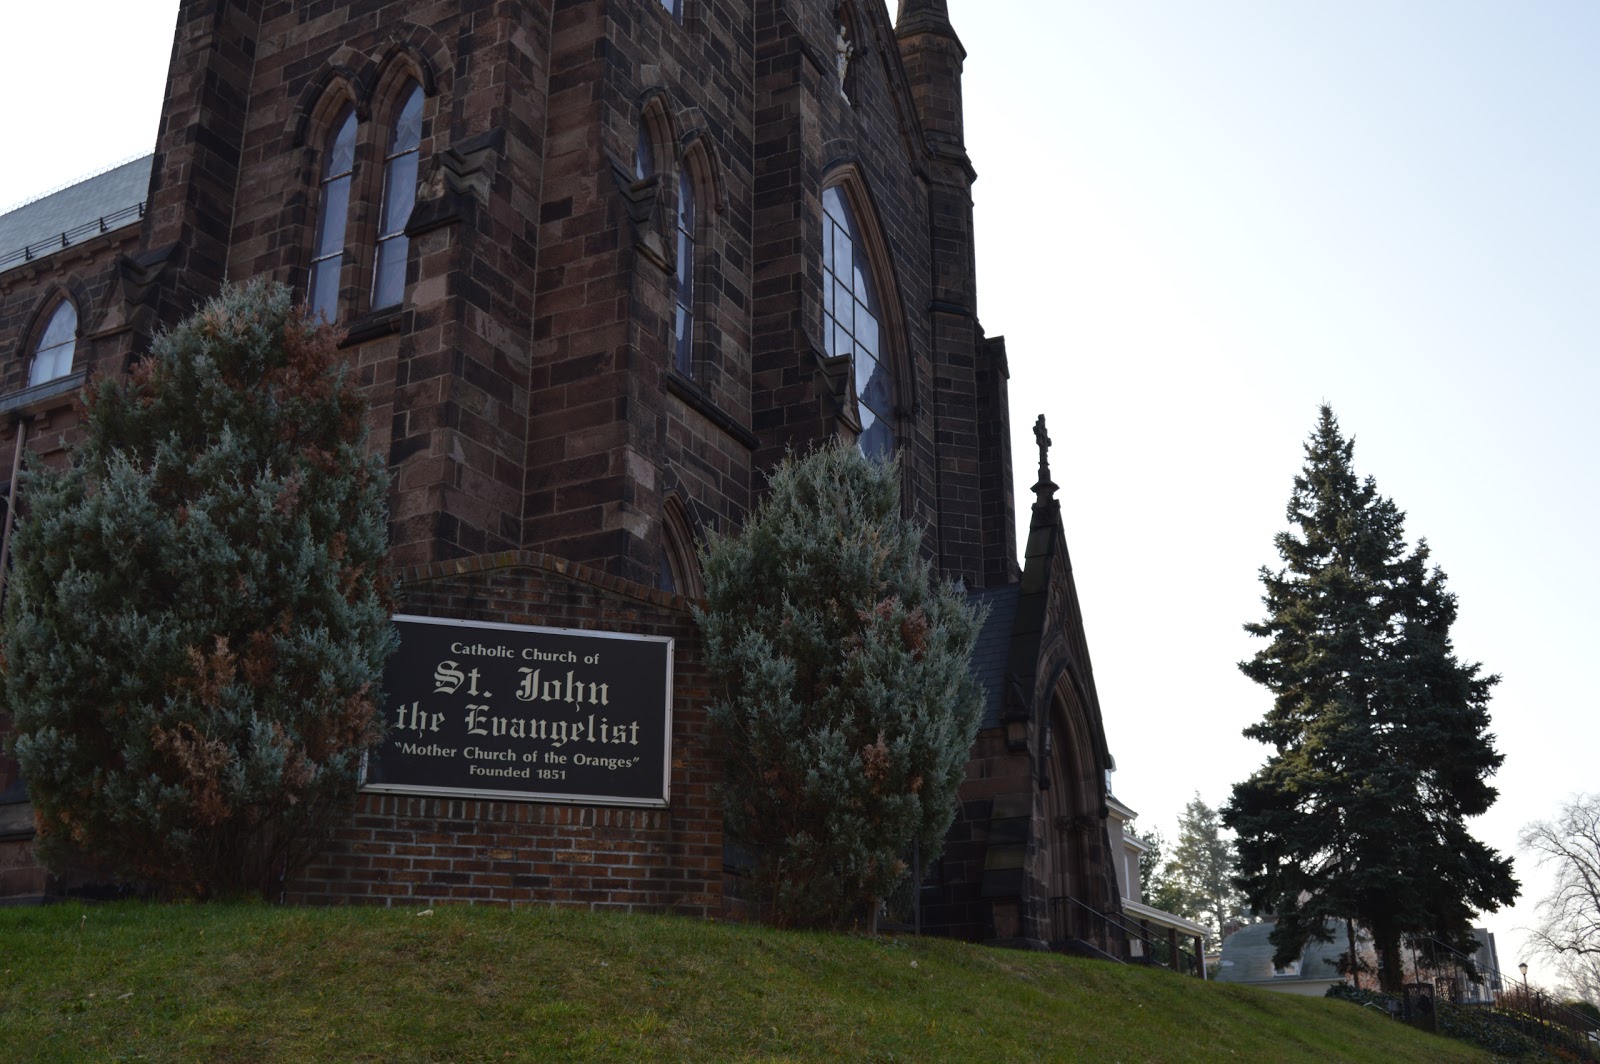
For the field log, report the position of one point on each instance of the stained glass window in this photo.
(683, 329)
(644, 157)
(338, 163)
(52, 357)
(399, 196)
(852, 321)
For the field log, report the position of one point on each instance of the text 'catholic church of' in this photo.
(601, 263)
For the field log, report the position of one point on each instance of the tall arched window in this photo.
(644, 156)
(684, 325)
(852, 321)
(399, 196)
(333, 210)
(678, 569)
(52, 355)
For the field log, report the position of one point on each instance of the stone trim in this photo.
(692, 396)
(34, 399)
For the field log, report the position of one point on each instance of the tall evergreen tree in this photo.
(847, 706)
(1203, 866)
(1380, 738)
(198, 614)
(1155, 872)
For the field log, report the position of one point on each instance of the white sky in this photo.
(1197, 222)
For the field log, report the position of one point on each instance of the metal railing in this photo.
(1119, 937)
(1530, 1009)
(65, 239)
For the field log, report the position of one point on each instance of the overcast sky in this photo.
(1196, 223)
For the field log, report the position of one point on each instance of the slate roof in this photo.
(1247, 957)
(74, 214)
(992, 652)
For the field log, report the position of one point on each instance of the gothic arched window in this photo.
(399, 196)
(644, 155)
(678, 568)
(52, 355)
(683, 327)
(333, 210)
(852, 321)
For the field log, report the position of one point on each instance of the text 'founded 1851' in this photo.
(513, 711)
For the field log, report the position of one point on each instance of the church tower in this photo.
(599, 265)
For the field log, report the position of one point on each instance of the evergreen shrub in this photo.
(846, 706)
(1486, 1028)
(198, 613)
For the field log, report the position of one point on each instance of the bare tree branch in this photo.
(1569, 917)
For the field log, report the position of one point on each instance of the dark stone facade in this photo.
(552, 457)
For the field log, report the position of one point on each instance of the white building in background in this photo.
(1155, 935)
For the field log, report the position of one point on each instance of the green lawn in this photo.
(251, 982)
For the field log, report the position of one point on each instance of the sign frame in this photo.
(556, 797)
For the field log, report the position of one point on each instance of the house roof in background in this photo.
(1247, 957)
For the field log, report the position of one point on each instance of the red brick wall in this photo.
(404, 850)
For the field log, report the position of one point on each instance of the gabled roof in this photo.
(1048, 599)
(76, 213)
(992, 650)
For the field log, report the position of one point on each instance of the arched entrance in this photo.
(1073, 871)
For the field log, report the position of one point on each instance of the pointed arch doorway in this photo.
(1073, 783)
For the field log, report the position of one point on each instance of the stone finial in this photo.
(1045, 487)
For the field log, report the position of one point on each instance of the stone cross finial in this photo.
(1044, 486)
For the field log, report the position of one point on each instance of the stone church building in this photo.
(600, 264)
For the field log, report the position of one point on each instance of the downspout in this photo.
(11, 505)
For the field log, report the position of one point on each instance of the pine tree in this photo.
(1380, 735)
(198, 612)
(1155, 873)
(1202, 868)
(846, 708)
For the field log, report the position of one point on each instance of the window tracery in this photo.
(333, 211)
(399, 196)
(644, 155)
(852, 321)
(683, 296)
(52, 355)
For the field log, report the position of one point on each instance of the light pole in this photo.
(1526, 1001)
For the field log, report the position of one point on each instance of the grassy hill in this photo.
(252, 982)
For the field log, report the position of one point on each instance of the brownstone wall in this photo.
(614, 427)
(954, 903)
(404, 850)
(525, 391)
(87, 273)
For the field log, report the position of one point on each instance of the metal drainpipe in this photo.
(11, 505)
